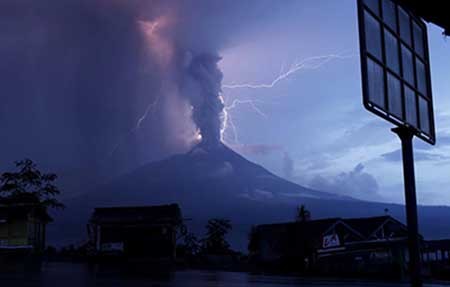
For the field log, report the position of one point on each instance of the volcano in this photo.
(216, 182)
(214, 172)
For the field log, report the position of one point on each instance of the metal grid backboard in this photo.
(395, 66)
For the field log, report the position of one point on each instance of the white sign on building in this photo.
(331, 241)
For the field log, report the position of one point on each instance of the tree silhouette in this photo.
(302, 214)
(215, 242)
(253, 241)
(191, 245)
(28, 185)
(187, 243)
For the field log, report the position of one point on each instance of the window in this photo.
(407, 64)
(376, 83)
(418, 39)
(389, 14)
(424, 115)
(405, 29)
(394, 96)
(392, 59)
(410, 106)
(421, 77)
(374, 6)
(373, 43)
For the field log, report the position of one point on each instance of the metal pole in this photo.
(406, 137)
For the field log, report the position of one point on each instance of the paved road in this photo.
(78, 275)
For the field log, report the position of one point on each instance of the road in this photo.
(78, 275)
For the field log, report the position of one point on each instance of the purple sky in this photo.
(80, 77)
(313, 125)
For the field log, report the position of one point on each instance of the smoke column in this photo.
(205, 79)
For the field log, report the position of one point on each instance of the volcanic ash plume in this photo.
(185, 39)
(202, 88)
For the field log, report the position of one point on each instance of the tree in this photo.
(190, 245)
(253, 241)
(28, 185)
(187, 243)
(302, 214)
(215, 242)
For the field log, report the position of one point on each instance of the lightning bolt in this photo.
(228, 119)
(148, 110)
(310, 63)
(251, 103)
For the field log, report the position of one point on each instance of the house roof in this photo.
(23, 211)
(367, 225)
(363, 227)
(312, 229)
(137, 214)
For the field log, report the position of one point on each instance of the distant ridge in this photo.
(216, 182)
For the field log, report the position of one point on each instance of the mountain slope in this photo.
(204, 171)
(217, 182)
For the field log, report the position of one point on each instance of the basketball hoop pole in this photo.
(406, 136)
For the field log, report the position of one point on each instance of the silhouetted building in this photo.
(135, 232)
(336, 246)
(436, 258)
(22, 226)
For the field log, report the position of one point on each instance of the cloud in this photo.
(356, 183)
(419, 155)
(82, 75)
(441, 141)
(79, 75)
(257, 149)
(288, 166)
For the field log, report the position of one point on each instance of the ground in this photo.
(75, 275)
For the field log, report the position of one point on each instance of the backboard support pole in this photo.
(406, 136)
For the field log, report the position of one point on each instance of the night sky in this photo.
(93, 89)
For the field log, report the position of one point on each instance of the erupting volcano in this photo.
(133, 112)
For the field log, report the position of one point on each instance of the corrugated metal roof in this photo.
(137, 214)
(365, 226)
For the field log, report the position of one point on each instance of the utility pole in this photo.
(406, 136)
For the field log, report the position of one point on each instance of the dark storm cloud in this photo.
(74, 80)
(77, 75)
(356, 183)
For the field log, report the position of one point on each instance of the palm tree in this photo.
(302, 214)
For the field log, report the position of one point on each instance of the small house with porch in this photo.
(135, 232)
(22, 227)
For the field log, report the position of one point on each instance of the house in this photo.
(383, 250)
(135, 232)
(436, 251)
(294, 245)
(436, 258)
(364, 246)
(22, 226)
